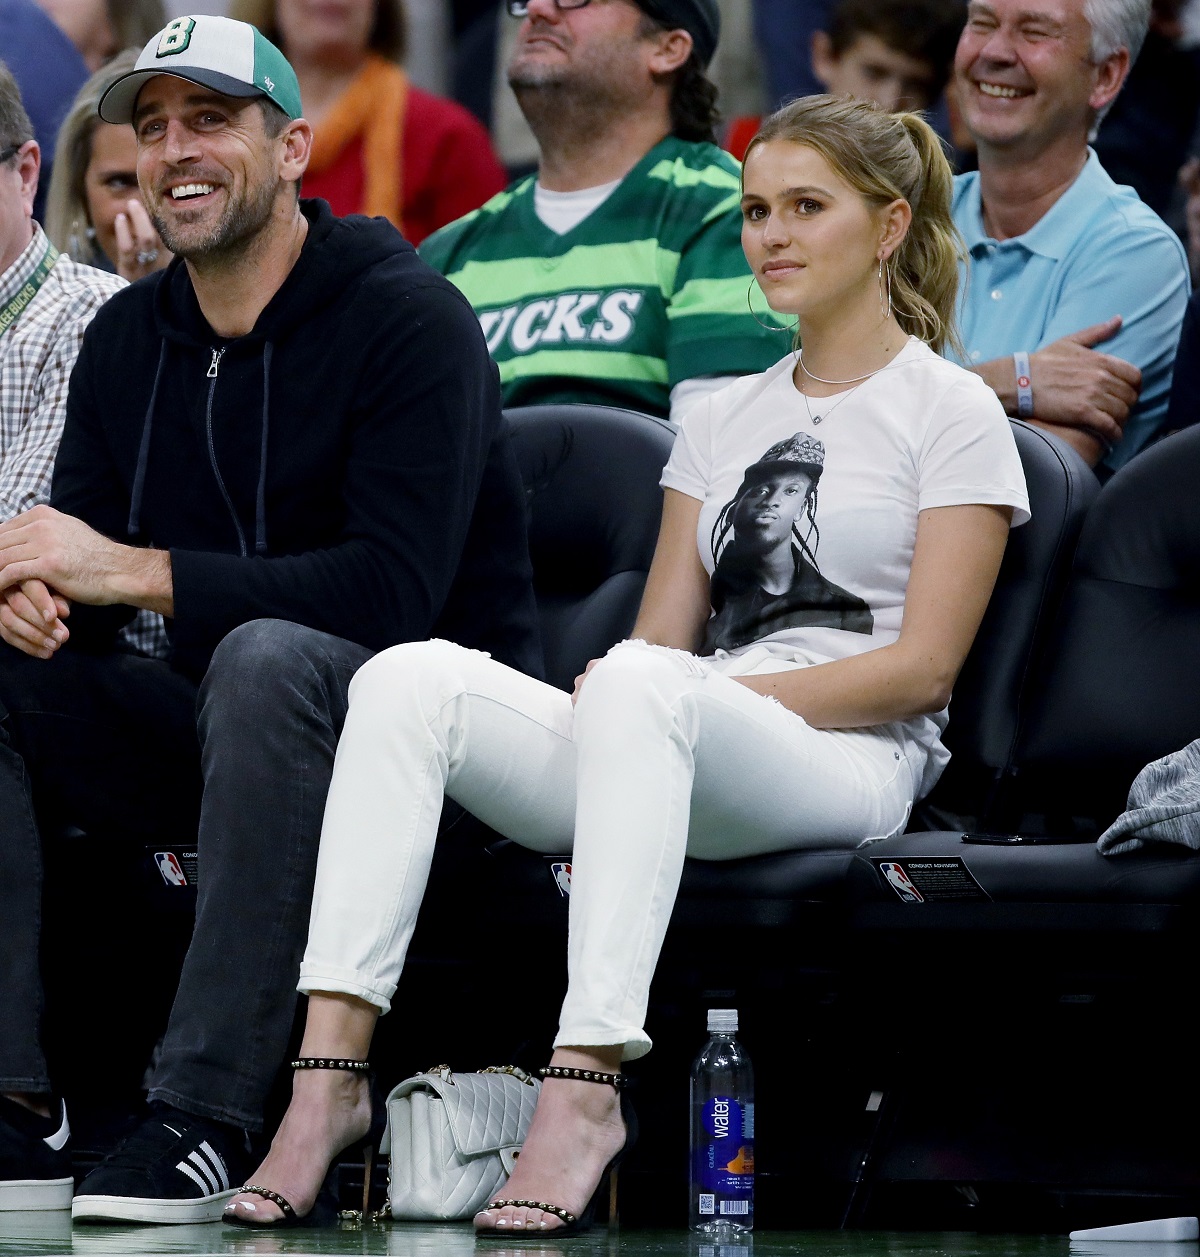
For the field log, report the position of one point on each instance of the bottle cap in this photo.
(722, 1020)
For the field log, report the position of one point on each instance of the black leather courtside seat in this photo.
(1119, 687)
(591, 479)
(993, 691)
(1122, 685)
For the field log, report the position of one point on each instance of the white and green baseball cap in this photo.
(229, 57)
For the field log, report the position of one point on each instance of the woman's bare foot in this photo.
(576, 1131)
(330, 1109)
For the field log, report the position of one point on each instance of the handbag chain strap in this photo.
(446, 1074)
(515, 1070)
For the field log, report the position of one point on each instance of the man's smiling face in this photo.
(208, 170)
(1024, 73)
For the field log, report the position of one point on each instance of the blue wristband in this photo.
(1024, 386)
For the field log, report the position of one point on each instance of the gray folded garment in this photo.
(1164, 805)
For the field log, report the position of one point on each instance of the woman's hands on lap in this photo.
(674, 603)
(579, 680)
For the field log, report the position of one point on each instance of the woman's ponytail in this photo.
(927, 261)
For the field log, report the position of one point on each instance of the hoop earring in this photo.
(885, 297)
(771, 327)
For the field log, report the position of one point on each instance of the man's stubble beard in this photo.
(563, 111)
(562, 105)
(241, 222)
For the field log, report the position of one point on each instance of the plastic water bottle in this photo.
(722, 1132)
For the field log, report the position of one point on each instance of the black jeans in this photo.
(260, 735)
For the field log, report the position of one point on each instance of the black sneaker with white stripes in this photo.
(35, 1158)
(173, 1168)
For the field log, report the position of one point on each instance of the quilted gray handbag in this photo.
(453, 1139)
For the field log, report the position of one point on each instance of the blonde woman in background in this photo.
(94, 211)
(381, 145)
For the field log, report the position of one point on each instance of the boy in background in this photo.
(898, 53)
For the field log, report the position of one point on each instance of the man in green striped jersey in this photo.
(615, 274)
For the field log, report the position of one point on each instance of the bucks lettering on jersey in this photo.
(648, 290)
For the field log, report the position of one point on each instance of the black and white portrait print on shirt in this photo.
(764, 545)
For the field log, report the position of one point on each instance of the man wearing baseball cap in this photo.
(278, 443)
(616, 274)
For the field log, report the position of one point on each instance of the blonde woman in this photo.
(94, 211)
(814, 731)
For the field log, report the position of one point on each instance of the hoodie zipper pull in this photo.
(217, 355)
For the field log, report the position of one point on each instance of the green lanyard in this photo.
(12, 312)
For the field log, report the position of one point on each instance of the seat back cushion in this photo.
(591, 479)
(1121, 681)
(992, 689)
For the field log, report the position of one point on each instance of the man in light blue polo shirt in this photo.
(1062, 259)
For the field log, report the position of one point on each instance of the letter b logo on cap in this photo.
(176, 36)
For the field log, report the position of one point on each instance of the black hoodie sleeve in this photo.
(426, 414)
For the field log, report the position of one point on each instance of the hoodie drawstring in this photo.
(133, 526)
(260, 497)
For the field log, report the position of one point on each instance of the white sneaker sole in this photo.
(35, 1194)
(140, 1209)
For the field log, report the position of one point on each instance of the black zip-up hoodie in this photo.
(344, 465)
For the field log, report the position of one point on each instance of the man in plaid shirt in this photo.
(46, 302)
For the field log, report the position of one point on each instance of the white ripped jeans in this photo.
(663, 756)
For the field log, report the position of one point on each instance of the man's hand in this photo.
(81, 564)
(1079, 394)
(31, 618)
(1077, 386)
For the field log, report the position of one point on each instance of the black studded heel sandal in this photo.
(572, 1224)
(325, 1209)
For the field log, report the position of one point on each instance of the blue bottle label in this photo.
(725, 1158)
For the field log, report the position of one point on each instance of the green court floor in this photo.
(51, 1233)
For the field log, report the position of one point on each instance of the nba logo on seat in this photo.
(561, 872)
(900, 882)
(170, 868)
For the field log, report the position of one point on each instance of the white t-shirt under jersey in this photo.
(921, 433)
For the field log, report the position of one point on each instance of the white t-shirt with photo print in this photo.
(921, 433)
